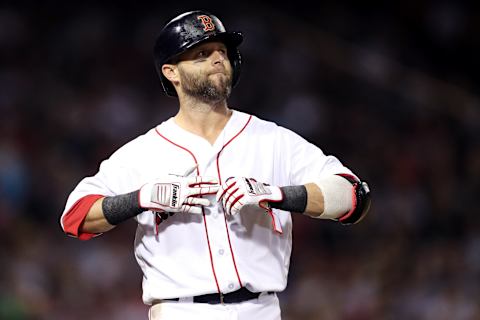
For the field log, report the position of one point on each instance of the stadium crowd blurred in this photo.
(392, 91)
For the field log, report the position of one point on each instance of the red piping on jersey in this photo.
(224, 215)
(226, 144)
(203, 210)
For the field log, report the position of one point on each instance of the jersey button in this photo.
(230, 286)
(221, 252)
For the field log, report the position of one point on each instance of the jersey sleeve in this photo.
(305, 161)
(111, 179)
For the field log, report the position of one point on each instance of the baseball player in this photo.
(212, 189)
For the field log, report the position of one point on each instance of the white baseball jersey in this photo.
(191, 254)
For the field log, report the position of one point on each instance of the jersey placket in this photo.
(222, 257)
(223, 267)
(234, 280)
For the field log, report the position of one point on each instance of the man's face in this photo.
(205, 72)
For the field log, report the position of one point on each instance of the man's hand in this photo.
(177, 194)
(242, 193)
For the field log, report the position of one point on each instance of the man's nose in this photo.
(218, 56)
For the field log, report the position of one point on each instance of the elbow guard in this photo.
(361, 201)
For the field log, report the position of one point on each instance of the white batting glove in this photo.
(177, 194)
(238, 194)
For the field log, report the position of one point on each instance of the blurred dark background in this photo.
(390, 88)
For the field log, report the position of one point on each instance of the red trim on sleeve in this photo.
(72, 220)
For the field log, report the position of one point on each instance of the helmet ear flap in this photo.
(236, 61)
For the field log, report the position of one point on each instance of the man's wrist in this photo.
(294, 199)
(119, 208)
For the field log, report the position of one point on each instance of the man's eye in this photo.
(202, 54)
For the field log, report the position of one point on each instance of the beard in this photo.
(201, 87)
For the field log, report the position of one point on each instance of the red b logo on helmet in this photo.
(207, 23)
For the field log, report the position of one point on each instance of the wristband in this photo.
(294, 199)
(120, 208)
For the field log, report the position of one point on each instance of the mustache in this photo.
(223, 71)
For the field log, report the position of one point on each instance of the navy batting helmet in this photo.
(188, 30)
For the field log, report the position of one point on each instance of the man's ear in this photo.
(170, 72)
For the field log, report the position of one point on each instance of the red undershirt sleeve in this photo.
(73, 218)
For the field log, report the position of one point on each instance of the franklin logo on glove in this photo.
(250, 187)
(175, 190)
(180, 194)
